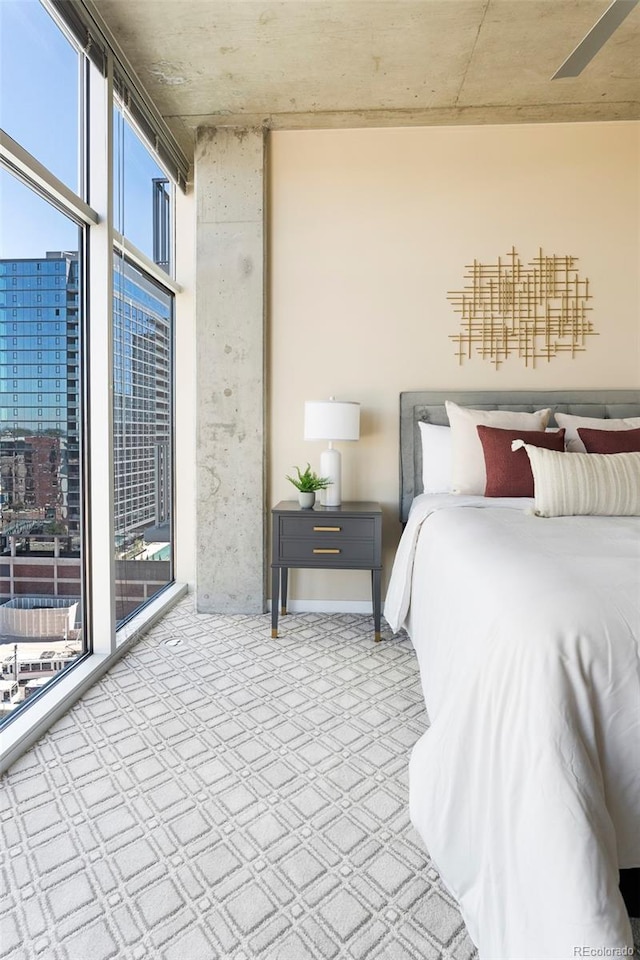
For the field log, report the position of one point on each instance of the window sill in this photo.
(30, 725)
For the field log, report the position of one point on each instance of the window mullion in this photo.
(100, 364)
(132, 253)
(45, 183)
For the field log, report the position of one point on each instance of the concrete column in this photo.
(230, 341)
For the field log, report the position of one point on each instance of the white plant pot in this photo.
(306, 499)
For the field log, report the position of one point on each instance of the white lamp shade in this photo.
(331, 420)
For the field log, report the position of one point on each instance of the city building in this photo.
(142, 343)
(40, 391)
(40, 440)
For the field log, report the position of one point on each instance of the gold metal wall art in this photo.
(531, 312)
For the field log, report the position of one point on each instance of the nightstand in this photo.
(348, 537)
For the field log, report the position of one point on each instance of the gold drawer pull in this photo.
(325, 550)
(327, 529)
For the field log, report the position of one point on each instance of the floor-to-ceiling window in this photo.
(42, 579)
(86, 348)
(142, 428)
(143, 312)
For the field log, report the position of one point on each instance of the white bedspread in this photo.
(526, 786)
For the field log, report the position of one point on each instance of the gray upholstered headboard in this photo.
(416, 405)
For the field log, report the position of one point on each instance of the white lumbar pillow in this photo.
(572, 423)
(578, 484)
(469, 474)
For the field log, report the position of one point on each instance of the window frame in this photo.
(92, 211)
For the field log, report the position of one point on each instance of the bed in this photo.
(526, 786)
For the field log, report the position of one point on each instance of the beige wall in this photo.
(369, 229)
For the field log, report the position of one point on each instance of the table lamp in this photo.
(331, 420)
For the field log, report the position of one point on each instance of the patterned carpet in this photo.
(223, 796)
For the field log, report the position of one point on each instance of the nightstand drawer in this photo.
(327, 551)
(323, 526)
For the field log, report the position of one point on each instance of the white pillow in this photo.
(469, 473)
(602, 484)
(436, 457)
(571, 423)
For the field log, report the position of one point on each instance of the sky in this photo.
(39, 108)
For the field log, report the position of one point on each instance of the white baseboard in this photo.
(328, 606)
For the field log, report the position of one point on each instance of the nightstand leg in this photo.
(377, 602)
(275, 599)
(284, 582)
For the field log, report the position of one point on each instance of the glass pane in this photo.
(143, 359)
(41, 542)
(39, 80)
(142, 195)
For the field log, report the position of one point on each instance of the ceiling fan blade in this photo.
(596, 38)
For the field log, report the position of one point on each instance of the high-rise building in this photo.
(142, 333)
(40, 395)
(39, 391)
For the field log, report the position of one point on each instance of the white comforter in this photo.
(526, 786)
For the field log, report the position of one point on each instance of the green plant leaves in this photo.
(308, 481)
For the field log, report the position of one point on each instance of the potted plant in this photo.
(307, 483)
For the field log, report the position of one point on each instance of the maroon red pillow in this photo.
(610, 441)
(509, 471)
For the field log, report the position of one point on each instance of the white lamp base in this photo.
(331, 466)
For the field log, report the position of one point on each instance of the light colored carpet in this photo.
(230, 797)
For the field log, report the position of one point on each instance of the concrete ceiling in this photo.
(291, 64)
